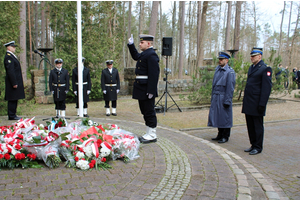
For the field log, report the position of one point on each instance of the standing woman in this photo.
(110, 84)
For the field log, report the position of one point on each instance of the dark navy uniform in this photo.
(87, 85)
(59, 85)
(147, 72)
(13, 77)
(256, 96)
(111, 83)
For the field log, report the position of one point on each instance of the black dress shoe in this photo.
(107, 114)
(223, 140)
(14, 118)
(144, 141)
(216, 138)
(114, 114)
(86, 115)
(254, 152)
(248, 150)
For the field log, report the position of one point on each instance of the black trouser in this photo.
(255, 126)
(224, 133)
(148, 111)
(84, 105)
(12, 108)
(113, 104)
(60, 105)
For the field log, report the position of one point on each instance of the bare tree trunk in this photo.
(294, 36)
(190, 36)
(141, 28)
(237, 25)
(43, 24)
(153, 19)
(181, 54)
(36, 32)
(173, 37)
(30, 39)
(280, 35)
(228, 26)
(198, 24)
(201, 38)
(288, 33)
(23, 40)
(129, 31)
(125, 39)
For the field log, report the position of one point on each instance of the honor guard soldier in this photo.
(59, 86)
(256, 96)
(87, 85)
(220, 112)
(145, 84)
(110, 84)
(14, 88)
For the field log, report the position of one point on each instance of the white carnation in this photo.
(88, 151)
(83, 164)
(104, 152)
(80, 155)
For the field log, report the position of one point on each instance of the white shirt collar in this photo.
(12, 54)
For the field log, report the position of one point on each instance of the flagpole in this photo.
(80, 64)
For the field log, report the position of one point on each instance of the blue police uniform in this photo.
(220, 113)
(256, 96)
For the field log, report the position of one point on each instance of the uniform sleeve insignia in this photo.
(9, 61)
(268, 73)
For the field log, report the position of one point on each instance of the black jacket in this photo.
(147, 65)
(87, 84)
(258, 89)
(110, 78)
(13, 77)
(59, 83)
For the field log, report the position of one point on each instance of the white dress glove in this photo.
(104, 91)
(52, 92)
(66, 91)
(88, 92)
(130, 40)
(75, 92)
(118, 91)
(150, 96)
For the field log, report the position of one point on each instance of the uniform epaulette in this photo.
(8, 54)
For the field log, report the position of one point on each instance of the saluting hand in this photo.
(15, 86)
(130, 40)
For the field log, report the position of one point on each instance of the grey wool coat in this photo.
(222, 93)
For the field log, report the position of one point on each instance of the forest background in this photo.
(199, 30)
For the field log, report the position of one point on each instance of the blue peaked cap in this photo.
(255, 51)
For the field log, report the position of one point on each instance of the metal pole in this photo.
(45, 73)
(166, 90)
(80, 71)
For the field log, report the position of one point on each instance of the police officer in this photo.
(145, 84)
(87, 85)
(59, 86)
(220, 112)
(256, 96)
(14, 88)
(110, 84)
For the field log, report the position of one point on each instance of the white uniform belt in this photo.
(84, 83)
(110, 84)
(59, 85)
(141, 77)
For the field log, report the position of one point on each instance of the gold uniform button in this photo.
(137, 81)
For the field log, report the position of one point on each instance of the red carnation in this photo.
(46, 127)
(33, 156)
(1, 156)
(81, 149)
(76, 158)
(103, 160)
(91, 165)
(93, 161)
(20, 136)
(18, 146)
(60, 124)
(7, 156)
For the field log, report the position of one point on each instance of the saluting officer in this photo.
(220, 112)
(110, 84)
(256, 96)
(59, 86)
(87, 85)
(14, 88)
(145, 84)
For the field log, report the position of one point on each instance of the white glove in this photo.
(130, 40)
(118, 91)
(88, 92)
(104, 91)
(75, 92)
(52, 92)
(66, 91)
(150, 96)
